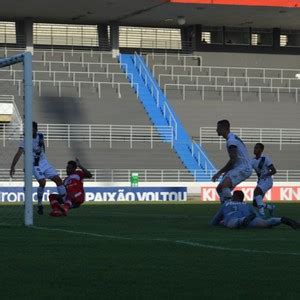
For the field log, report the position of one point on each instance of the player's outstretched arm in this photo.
(87, 173)
(15, 161)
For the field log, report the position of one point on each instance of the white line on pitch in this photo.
(179, 242)
(110, 214)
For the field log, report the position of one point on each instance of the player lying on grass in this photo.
(264, 169)
(238, 168)
(42, 170)
(238, 214)
(75, 191)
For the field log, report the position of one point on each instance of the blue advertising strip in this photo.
(100, 194)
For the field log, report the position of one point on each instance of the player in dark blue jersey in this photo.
(238, 214)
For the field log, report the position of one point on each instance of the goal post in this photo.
(26, 59)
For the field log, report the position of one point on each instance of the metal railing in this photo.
(47, 54)
(269, 81)
(4, 98)
(201, 158)
(77, 84)
(239, 89)
(87, 65)
(71, 74)
(93, 133)
(168, 115)
(169, 56)
(82, 54)
(151, 175)
(274, 136)
(150, 84)
(280, 73)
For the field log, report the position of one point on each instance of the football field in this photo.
(148, 251)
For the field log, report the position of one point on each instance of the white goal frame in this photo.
(26, 59)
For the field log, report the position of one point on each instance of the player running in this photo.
(238, 214)
(238, 168)
(75, 191)
(42, 170)
(264, 169)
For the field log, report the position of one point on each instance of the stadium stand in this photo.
(68, 82)
(67, 92)
(270, 103)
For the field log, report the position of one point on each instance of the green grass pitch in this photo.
(148, 251)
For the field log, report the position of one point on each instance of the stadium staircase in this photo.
(160, 112)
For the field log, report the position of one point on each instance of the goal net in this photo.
(16, 125)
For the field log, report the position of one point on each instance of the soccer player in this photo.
(42, 170)
(238, 214)
(238, 168)
(234, 213)
(264, 169)
(75, 191)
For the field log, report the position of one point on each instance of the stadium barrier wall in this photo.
(272, 3)
(14, 193)
(160, 191)
(281, 192)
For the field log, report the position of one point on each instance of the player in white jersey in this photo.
(264, 169)
(238, 168)
(42, 170)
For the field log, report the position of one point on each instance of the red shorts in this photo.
(76, 198)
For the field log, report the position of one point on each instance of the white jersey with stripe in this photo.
(243, 158)
(37, 149)
(261, 165)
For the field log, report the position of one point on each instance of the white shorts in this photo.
(44, 171)
(237, 175)
(265, 184)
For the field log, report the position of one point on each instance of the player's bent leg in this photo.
(248, 220)
(258, 200)
(77, 203)
(57, 180)
(258, 196)
(239, 222)
(67, 205)
(40, 193)
(57, 210)
(219, 191)
(51, 173)
(53, 199)
(224, 189)
(60, 186)
(233, 223)
(289, 222)
(73, 202)
(274, 221)
(259, 222)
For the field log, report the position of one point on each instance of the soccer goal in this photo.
(16, 124)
